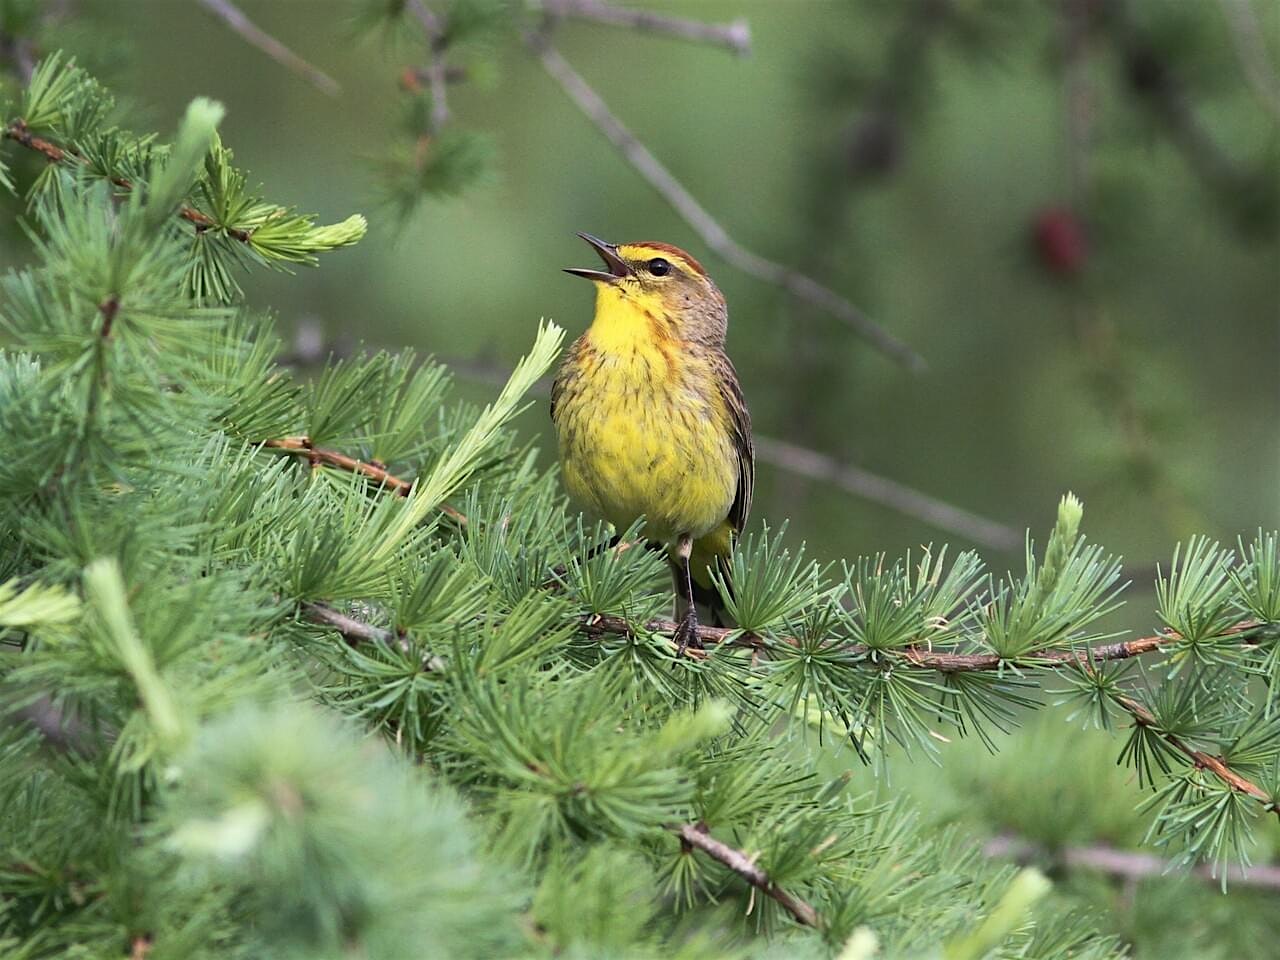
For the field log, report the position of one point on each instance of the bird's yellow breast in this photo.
(642, 427)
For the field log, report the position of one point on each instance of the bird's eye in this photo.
(659, 267)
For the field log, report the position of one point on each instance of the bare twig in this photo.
(888, 493)
(1129, 864)
(852, 479)
(356, 632)
(255, 36)
(302, 446)
(734, 36)
(436, 71)
(1246, 37)
(707, 227)
(695, 835)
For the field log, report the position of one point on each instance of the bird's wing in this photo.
(557, 388)
(740, 424)
(569, 371)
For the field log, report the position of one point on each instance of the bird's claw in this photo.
(686, 634)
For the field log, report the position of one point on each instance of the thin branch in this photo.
(255, 36)
(436, 71)
(734, 36)
(888, 493)
(18, 132)
(804, 462)
(914, 656)
(1129, 864)
(605, 624)
(1246, 37)
(1215, 765)
(355, 632)
(301, 446)
(707, 227)
(695, 835)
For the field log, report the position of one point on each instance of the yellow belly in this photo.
(638, 438)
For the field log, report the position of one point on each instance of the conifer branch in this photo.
(302, 446)
(734, 36)
(695, 835)
(1202, 761)
(912, 656)
(18, 132)
(713, 234)
(1128, 864)
(255, 36)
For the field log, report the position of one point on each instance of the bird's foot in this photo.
(686, 634)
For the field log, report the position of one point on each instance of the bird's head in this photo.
(656, 284)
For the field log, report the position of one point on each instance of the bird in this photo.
(651, 420)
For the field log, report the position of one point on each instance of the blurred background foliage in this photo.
(1068, 208)
(1096, 316)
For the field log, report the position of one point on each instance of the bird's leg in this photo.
(687, 629)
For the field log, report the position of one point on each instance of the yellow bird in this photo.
(650, 418)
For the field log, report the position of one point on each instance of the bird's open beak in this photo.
(617, 267)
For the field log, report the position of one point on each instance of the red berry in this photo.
(1060, 241)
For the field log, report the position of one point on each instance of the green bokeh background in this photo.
(1004, 420)
(1008, 415)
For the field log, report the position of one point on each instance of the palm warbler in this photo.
(650, 417)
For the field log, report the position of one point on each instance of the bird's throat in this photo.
(624, 323)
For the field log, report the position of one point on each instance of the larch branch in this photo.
(695, 835)
(1205, 761)
(255, 36)
(734, 36)
(914, 656)
(302, 446)
(597, 625)
(18, 132)
(706, 226)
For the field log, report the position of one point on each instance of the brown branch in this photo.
(734, 36)
(18, 132)
(695, 835)
(301, 446)
(235, 19)
(1215, 765)
(914, 656)
(355, 631)
(703, 224)
(606, 624)
(1129, 864)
